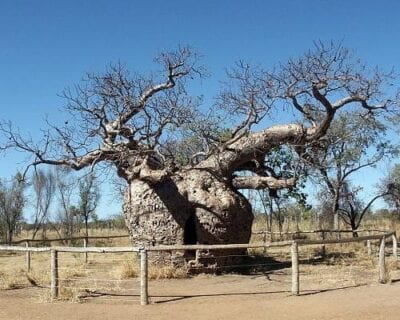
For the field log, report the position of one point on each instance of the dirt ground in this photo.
(224, 297)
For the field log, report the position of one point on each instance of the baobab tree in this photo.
(132, 121)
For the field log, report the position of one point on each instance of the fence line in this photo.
(319, 230)
(72, 249)
(69, 239)
(144, 295)
(84, 238)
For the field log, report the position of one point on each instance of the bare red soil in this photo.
(227, 297)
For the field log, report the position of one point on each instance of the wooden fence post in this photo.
(85, 243)
(394, 239)
(28, 257)
(54, 275)
(382, 266)
(144, 300)
(295, 268)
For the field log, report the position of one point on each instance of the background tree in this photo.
(44, 185)
(89, 196)
(392, 183)
(12, 202)
(65, 186)
(124, 120)
(353, 143)
(282, 162)
(352, 209)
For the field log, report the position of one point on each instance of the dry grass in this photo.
(13, 280)
(71, 295)
(167, 272)
(128, 270)
(392, 270)
(14, 275)
(20, 278)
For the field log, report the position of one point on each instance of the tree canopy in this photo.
(132, 121)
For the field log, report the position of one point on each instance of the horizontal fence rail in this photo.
(195, 246)
(144, 250)
(71, 249)
(69, 239)
(256, 232)
(319, 231)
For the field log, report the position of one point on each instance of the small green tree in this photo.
(392, 183)
(43, 184)
(89, 196)
(12, 202)
(64, 188)
(352, 209)
(283, 162)
(354, 142)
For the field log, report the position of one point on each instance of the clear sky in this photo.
(49, 45)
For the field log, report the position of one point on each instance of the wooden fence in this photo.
(256, 232)
(143, 253)
(27, 243)
(27, 240)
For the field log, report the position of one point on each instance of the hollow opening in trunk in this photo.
(190, 235)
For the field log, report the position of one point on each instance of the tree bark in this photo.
(254, 145)
(158, 213)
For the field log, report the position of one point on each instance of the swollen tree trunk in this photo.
(191, 206)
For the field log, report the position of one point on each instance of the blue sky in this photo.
(49, 45)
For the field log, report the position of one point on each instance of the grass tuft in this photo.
(128, 270)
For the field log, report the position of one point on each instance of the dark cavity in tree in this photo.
(190, 232)
(190, 235)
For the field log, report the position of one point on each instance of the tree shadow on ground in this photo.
(255, 264)
(260, 264)
(172, 298)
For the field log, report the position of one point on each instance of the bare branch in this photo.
(256, 182)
